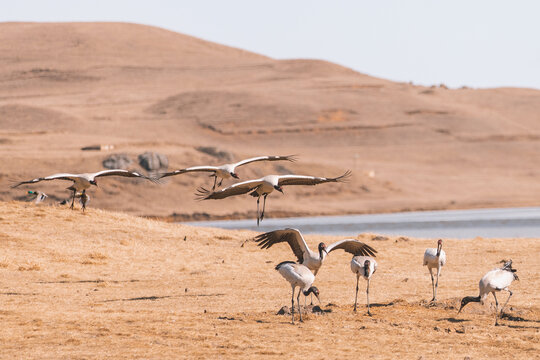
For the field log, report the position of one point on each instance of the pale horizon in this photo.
(479, 45)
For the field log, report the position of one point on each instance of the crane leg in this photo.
(215, 179)
(367, 295)
(432, 284)
(507, 300)
(264, 205)
(496, 310)
(436, 284)
(356, 296)
(72, 200)
(292, 306)
(220, 181)
(298, 302)
(258, 220)
(83, 200)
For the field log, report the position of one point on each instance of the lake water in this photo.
(459, 224)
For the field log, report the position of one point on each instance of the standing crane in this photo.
(494, 281)
(435, 258)
(298, 275)
(364, 266)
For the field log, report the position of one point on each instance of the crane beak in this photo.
(317, 296)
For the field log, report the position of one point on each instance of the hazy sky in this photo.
(477, 43)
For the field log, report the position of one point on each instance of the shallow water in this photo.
(459, 224)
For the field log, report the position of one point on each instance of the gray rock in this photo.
(117, 161)
(213, 151)
(151, 161)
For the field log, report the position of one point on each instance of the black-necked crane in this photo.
(226, 171)
(82, 182)
(298, 275)
(495, 280)
(435, 258)
(311, 259)
(265, 186)
(364, 266)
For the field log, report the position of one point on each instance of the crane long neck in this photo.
(309, 291)
(468, 299)
(366, 269)
(439, 248)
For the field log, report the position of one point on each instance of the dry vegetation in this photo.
(106, 284)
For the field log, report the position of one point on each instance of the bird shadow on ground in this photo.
(16, 293)
(453, 320)
(98, 281)
(140, 298)
(517, 318)
(376, 305)
(153, 298)
(229, 318)
(521, 327)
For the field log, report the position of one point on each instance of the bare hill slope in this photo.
(142, 88)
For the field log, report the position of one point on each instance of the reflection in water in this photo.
(460, 224)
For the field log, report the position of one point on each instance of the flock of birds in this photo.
(256, 188)
(301, 273)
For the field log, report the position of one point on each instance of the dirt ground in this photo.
(102, 284)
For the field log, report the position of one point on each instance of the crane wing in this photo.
(62, 176)
(235, 189)
(292, 236)
(310, 180)
(266, 158)
(352, 246)
(121, 172)
(190, 169)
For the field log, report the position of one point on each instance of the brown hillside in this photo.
(65, 86)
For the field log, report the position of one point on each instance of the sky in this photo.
(475, 43)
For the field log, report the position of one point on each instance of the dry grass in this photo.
(30, 267)
(157, 296)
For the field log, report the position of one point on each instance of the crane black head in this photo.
(468, 299)
(93, 182)
(313, 290)
(322, 247)
(278, 188)
(234, 175)
(439, 247)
